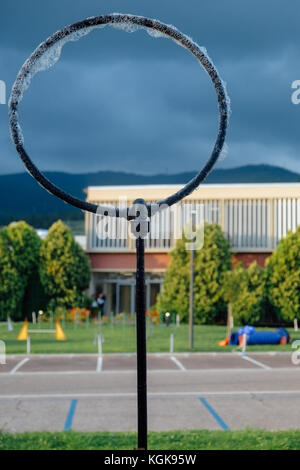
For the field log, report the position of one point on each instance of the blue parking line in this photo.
(214, 414)
(69, 420)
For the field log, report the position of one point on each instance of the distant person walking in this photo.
(95, 306)
(101, 300)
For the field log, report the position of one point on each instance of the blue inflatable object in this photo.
(248, 330)
(259, 337)
(234, 339)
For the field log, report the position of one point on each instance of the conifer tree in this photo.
(211, 263)
(283, 277)
(246, 290)
(174, 297)
(64, 268)
(19, 258)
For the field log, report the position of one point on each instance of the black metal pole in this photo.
(20, 85)
(141, 337)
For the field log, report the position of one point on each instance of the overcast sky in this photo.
(119, 101)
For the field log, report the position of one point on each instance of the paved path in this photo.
(186, 391)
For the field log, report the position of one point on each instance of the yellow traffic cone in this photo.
(59, 332)
(23, 335)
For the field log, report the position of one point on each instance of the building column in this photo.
(271, 222)
(91, 289)
(117, 298)
(176, 222)
(222, 215)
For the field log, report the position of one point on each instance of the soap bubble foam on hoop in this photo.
(48, 53)
(44, 57)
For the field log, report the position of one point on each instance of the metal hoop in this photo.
(157, 28)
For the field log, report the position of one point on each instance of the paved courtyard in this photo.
(186, 391)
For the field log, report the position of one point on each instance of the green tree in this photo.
(174, 297)
(35, 298)
(283, 277)
(64, 268)
(246, 290)
(26, 246)
(19, 253)
(211, 263)
(11, 286)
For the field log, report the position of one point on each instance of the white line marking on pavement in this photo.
(178, 363)
(180, 354)
(206, 372)
(20, 364)
(99, 364)
(150, 394)
(259, 364)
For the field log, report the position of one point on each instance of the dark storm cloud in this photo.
(127, 101)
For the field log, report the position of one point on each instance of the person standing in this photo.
(101, 300)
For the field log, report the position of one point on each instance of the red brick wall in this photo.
(247, 258)
(127, 261)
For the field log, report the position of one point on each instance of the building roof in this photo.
(205, 191)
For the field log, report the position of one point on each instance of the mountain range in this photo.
(22, 197)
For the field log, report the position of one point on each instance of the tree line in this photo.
(269, 294)
(55, 272)
(40, 274)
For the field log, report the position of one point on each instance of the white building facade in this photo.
(254, 217)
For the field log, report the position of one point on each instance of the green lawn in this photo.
(121, 338)
(173, 440)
